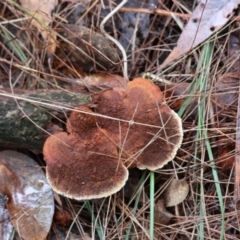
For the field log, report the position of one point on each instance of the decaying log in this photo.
(25, 118)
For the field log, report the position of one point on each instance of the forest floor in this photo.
(202, 88)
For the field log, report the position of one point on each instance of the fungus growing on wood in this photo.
(83, 164)
(132, 128)
(151, 133)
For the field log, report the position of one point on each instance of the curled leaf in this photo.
(161, 215)
(30, 200)
(176, 192)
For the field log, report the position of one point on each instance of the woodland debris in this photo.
(30, 115)
(41, 17)
(123, 129)
(30, 201)
(207, 18)
(85, 48)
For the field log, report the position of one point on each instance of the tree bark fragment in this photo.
(24, 118)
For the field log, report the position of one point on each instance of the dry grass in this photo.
(126, 215)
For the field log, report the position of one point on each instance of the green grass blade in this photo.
(137, 199)
(95, 223)
(152, 192)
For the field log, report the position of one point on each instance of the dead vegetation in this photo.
(202, 87)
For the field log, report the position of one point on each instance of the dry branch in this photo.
(237, 160)
(165, 13)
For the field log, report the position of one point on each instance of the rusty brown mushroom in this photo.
(83, 164)
(132, 128)
(151, 132)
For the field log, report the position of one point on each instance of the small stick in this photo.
(155, 11)
(165, 13)
(118, 44)
(237, 159)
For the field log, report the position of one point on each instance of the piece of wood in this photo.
(25, 118)
(237, 160)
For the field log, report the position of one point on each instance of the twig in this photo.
(237, 159)
(165, 13)
(155, 11)
(125, 67)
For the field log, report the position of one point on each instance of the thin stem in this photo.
(152, 183)
(118, 44)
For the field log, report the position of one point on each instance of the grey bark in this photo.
(25, 118)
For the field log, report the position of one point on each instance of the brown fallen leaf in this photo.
(62, 217)
(161, 215)
(102, 81)
(225, 157)
(30, 200)
(176, 192)
(6, 226)
(40, 17)
(224, 96)
(208, 17)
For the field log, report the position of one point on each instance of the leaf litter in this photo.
(29, 203)
(40, 16)
(207, 18)
(162, 35)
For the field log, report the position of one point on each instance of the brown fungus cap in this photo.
(83, 164)
(136, 129)
(150, 133)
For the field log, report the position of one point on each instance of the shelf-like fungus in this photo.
(150, 133)
(83, 164)
(132, 128)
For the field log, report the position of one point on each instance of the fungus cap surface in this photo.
(83, 166)
(138, 130)
(150, 133)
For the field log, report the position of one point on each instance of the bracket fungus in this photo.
(83, 164)
(131, 128)
(151, 132)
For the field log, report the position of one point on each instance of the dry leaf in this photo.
(208, 17)
(103, 81)
(225, 157)
(176, 192)
(40, 13)
(62, 217)
(6, 226)
(30, 200)
(161, 215)
(73, 236)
